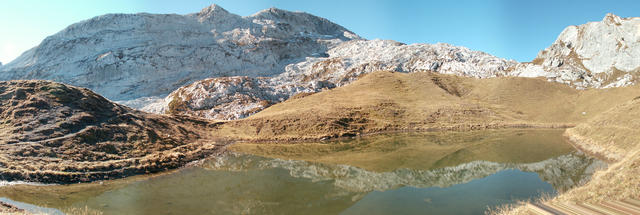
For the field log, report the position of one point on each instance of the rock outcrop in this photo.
(218, 65)
(128, 56)
(595, 55)
(221, 98)
(577, 58)
(57, 133)
(215, 98)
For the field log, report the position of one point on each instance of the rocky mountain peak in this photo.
(301, 23)
(611, 18)
(596, 54)
(276, 54)
(212, 12)
(272, 11)
(130, 52)
(276, 14)
(576, 58)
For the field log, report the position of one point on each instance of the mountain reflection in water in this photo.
(243, 183)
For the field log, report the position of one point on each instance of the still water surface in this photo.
(413, 173)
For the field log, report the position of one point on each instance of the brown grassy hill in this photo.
(388, 101)
(51, 132)
(615, 135)
(612, 134)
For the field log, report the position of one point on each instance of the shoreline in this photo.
(6, 208)
(224, 149)
(455, 128)
(151, 164)
(165, 162)
(600, 180)
(581, 143)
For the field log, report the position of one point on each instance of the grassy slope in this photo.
(611, 134)
(387, 101)
(56, 133)
(614, 134)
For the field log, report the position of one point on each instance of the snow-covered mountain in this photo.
(128, 56)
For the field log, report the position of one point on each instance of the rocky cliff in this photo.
(349, 60)
(218, 65)
(217, 98)
(128, 56)
(595, 55)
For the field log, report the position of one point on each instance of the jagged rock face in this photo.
(597, 54)
(139, 58)
(218, 98)
(228, 98)
(127, 56)
(52, 132)
(221, 98)
(351, 59)
(577, 58)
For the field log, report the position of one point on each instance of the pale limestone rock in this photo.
(597, 54)
(220, 98)
(576, 58)
(220, 65)
(129, 56)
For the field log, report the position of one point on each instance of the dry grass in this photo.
(519, 208)
(388, 101)
(377, 102)
(614, 135)
(56, 133)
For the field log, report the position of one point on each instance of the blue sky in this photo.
(510, 29)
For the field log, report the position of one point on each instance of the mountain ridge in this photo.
(281, 53)
(130, 52)
(596, 54)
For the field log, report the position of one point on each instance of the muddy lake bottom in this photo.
(411, 173)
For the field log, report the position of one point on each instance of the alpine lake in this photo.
(399, 173)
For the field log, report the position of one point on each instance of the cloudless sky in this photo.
(513, 29)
